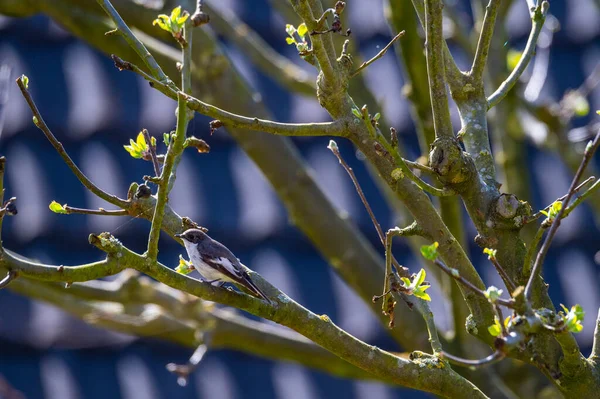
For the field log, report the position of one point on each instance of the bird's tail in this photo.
(248, 283)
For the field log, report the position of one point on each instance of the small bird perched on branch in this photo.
(215, 262)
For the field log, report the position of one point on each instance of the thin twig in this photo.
(505, 277)
(485, 38)
(378, 55)
(533, 249)
(538, 214)
(135, 43)
(10, 276)
(509, 303)
(183, 371)
(493, 358)
(334, 148)
(152, 150)
(39, 122)
(581, 198)
(538, 18)
(337, 128)
(539, 260)
(101, 211)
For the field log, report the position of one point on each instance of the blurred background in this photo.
(94, 110)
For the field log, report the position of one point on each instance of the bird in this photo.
(216, 263)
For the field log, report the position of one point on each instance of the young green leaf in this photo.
(491, 253)
(356, 112)
(417, 286)
(573, 318)
(492, 293)
(430, 252)
(290, 40)
(184, 267)
(57, 208)
(302, 30)
(25, 81)
(290, 29)
(166, 138)
(495, 329)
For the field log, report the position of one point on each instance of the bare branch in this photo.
(378, 55)
(509, 303)
(434, 46)
(39, 122)
(485, 38)
(538, 18)
(136, 44)
(491, 359)
(152, 150)
(229, 119)
(539, 260)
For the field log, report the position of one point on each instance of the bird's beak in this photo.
(178, 235)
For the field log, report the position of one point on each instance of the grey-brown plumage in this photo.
(215, 262)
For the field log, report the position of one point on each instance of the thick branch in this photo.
(434, 46)
(442, 381)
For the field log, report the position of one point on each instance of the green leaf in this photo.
(420, 277)
(430, 252)
(184, 267)
(554, 209)
(377, 116)
(491, 253)
(290, 40)
(163, 22)
(166, 138)
(573, 318)
(302, 30)
(57, 208)
(140, 140)
(492, 293)
(175, 13)
(153, 141)
(495, 329)
(356, 112)
(25, 81)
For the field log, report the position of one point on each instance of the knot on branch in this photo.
(452, 165)
(508, 212)
(106, 242)
(332, 94)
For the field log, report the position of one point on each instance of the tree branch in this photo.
(378, 55)
(485, 38)
(538, 18)
(232, 120)
(435, 68)
(40, 124)
(134, 43)
(539, 260)
(320, 329)
(262, 55)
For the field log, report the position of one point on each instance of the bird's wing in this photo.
(224, 265)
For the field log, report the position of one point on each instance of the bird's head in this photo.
(193, 236)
